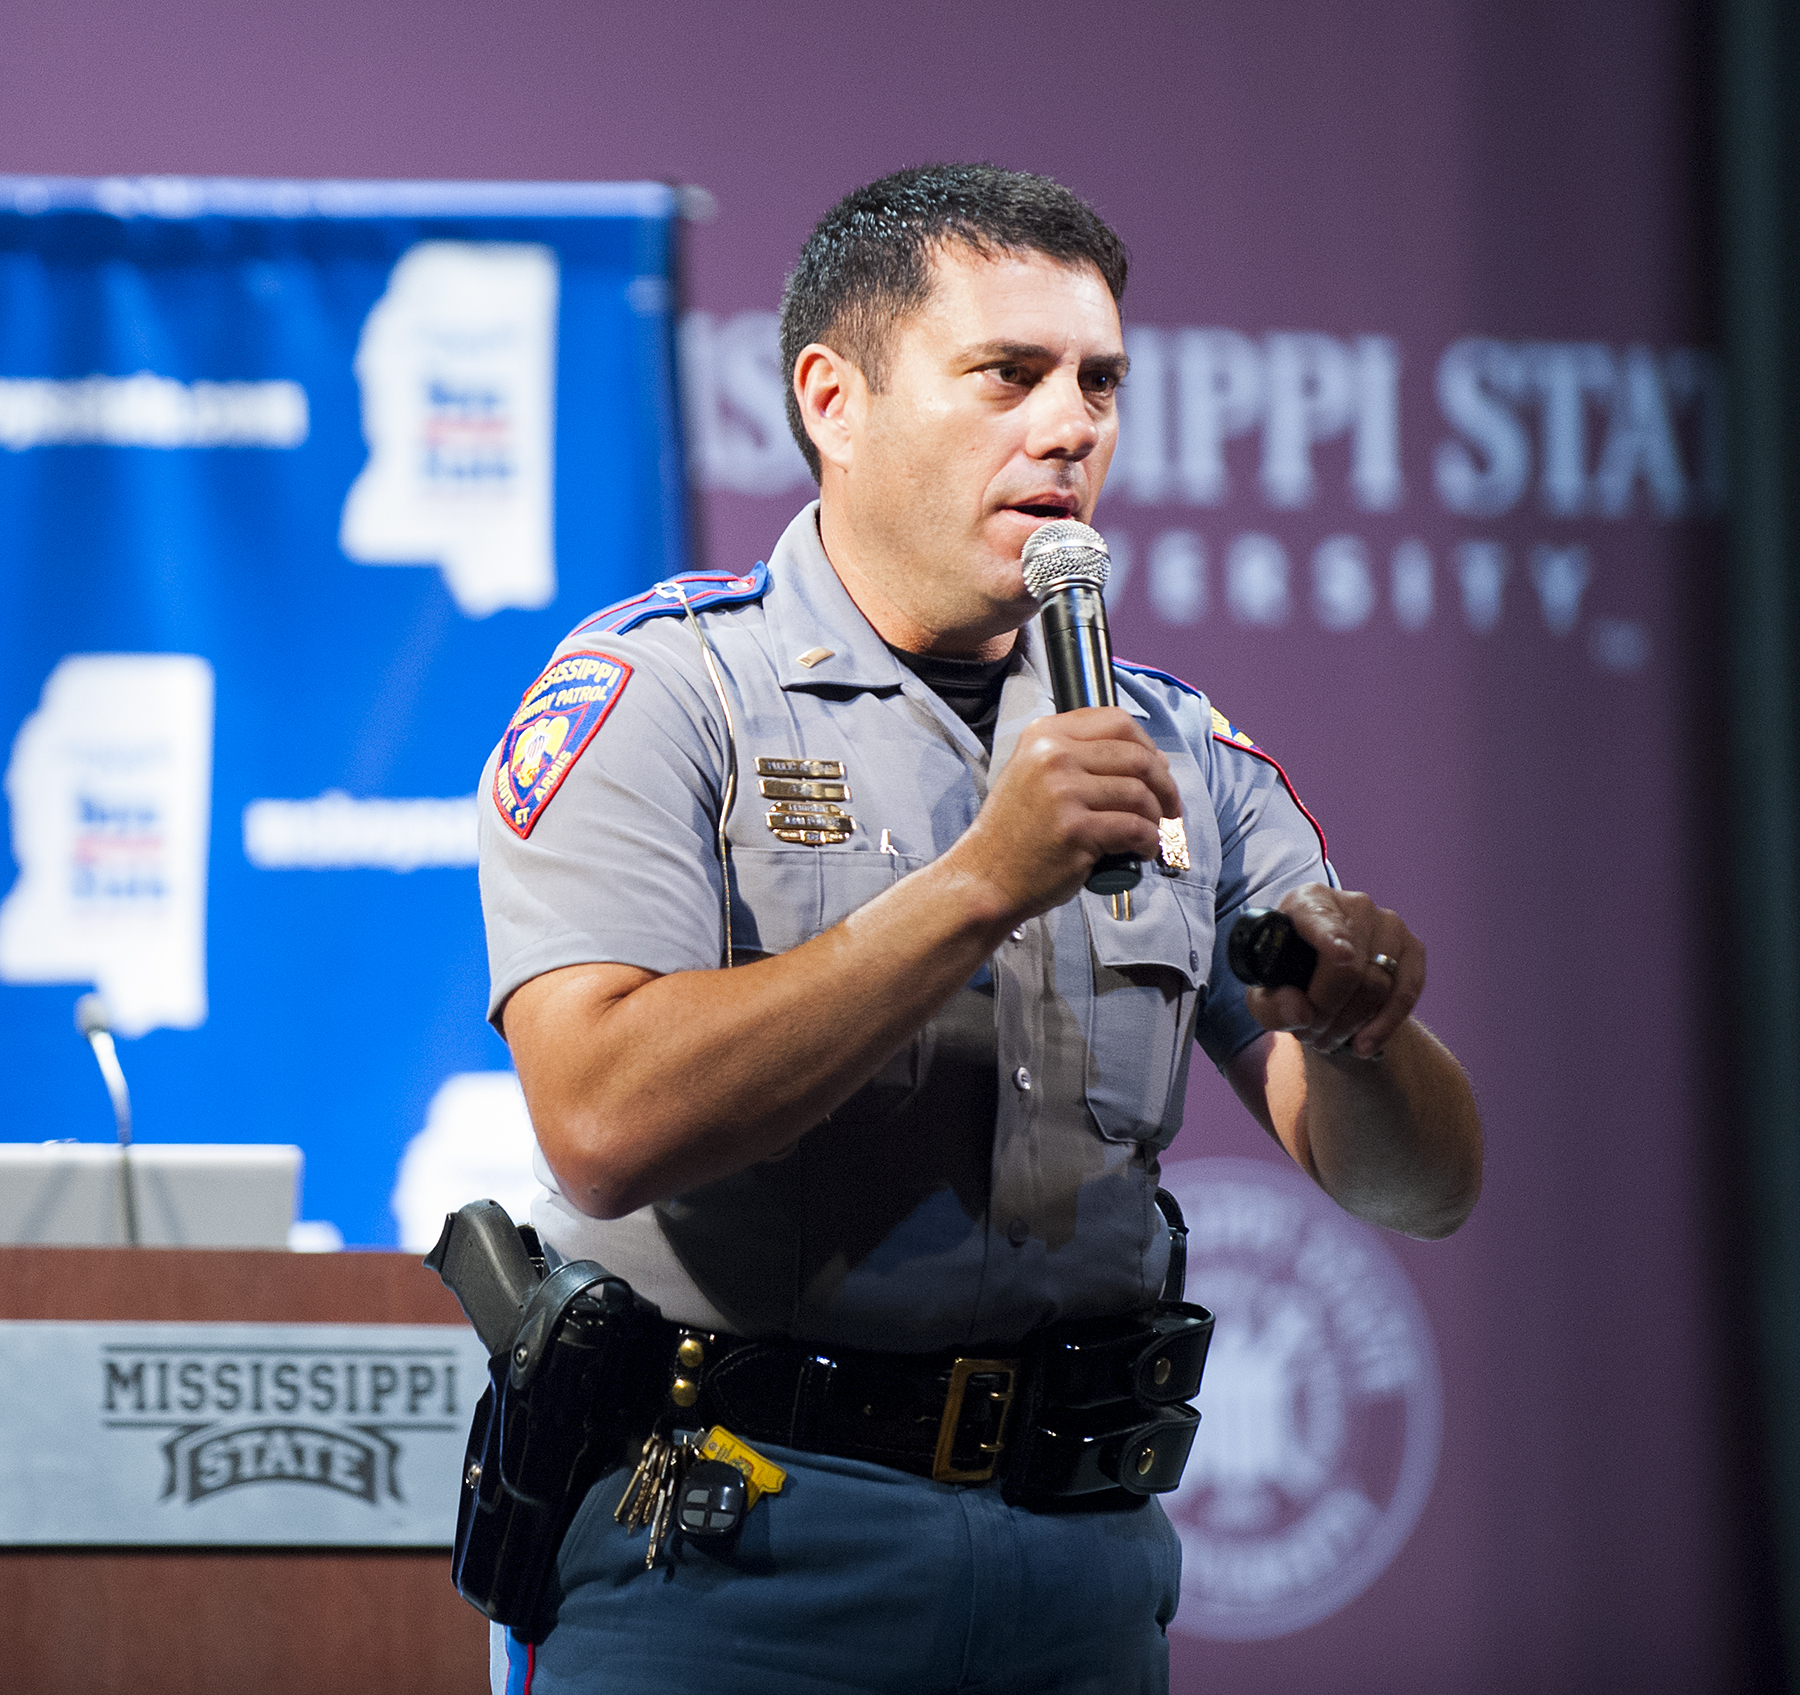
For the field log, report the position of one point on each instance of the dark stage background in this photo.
(1420, 481)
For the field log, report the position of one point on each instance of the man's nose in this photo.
(1063, 425)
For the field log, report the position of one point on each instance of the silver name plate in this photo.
(253, 1435)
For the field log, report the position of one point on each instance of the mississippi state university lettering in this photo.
(157, 1382)
(334, 1419)
(234, 1435)
(205, 1464)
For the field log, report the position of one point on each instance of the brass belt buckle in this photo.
(997, 1407)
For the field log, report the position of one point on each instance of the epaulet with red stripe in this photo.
(1223, 730)
(699, 590)
(1227, 732)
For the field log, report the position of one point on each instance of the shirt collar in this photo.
(808, 608)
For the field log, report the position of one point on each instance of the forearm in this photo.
(1396, 1141)
(685, 1078)
(1363, 1096)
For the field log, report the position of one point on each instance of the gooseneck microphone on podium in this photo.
(92, 1020)
(1066, 566)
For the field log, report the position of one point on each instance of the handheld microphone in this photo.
(1066, 566)
(92, 1020)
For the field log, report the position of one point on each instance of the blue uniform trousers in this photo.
(858, 1578)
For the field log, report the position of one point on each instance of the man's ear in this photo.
(833, 400)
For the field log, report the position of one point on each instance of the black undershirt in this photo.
(969, 687)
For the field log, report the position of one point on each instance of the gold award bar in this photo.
(799, 767)
(837, 828)
(790, 788)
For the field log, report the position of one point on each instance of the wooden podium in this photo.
(97, 1621)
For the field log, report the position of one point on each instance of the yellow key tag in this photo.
(763, 1477)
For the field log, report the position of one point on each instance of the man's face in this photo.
(999, 414)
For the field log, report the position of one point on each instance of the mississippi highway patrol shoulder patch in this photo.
(556, 720)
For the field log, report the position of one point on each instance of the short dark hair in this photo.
(867, 263)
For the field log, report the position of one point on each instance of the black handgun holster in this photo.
(566, 1392)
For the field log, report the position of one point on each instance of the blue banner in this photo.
(301, 482)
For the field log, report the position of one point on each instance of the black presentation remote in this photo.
(1266, 951)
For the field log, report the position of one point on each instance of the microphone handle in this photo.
(1079, 649)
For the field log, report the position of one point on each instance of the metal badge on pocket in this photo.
(806, 792)
(1172, 847)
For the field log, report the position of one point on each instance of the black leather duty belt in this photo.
(1072, 1410)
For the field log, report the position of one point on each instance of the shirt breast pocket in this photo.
(781, 897)
(784, 897)
(1149, 976)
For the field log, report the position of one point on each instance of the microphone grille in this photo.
(1064, 551)
(91, 1017)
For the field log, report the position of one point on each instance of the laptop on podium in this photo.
(70, 1194)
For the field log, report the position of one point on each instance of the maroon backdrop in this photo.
(1453, 245)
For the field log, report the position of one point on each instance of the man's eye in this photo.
(1009, 373)
(1103, 382)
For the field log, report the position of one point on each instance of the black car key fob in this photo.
(713, 1500)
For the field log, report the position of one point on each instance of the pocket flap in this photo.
(1169, 926)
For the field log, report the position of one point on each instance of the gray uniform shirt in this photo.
(1000, 1171)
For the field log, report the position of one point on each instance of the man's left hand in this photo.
(1370, 974)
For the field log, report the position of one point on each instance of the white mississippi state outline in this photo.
(109, 797)
(1321, 1408)
(457, 366)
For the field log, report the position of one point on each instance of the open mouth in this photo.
(1042, 509)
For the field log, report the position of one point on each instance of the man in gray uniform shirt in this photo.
(921, 1113)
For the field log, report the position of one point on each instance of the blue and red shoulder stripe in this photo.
(703, 590)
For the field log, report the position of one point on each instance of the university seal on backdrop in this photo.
(1322, 1407)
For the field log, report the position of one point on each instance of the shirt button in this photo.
(1022, 1080)
(1019, 934)
(1193, 960)
(1017, 1232)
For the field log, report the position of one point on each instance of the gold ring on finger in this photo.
(1387, 963)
